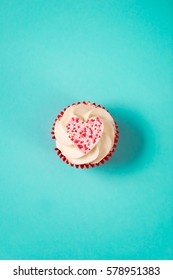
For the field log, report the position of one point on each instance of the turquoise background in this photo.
(117, 54)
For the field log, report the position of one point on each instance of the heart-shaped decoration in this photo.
(85, 135)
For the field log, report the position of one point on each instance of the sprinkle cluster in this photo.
(85, 135)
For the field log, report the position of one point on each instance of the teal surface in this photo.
(117, 54)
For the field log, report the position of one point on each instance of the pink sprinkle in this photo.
(85, 135)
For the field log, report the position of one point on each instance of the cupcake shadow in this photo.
(135, 147)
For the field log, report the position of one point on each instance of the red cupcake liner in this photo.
(86, 165)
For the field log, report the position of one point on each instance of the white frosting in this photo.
(67, 147)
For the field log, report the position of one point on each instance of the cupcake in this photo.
(85, 134)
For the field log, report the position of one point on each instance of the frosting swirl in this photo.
(85, 112)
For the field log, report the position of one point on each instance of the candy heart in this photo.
(85, 135)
